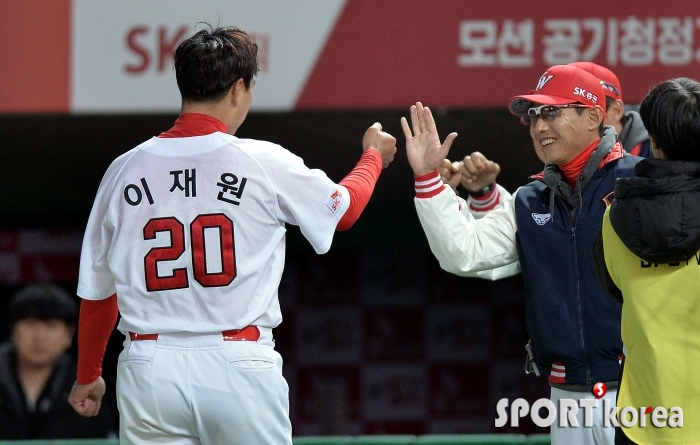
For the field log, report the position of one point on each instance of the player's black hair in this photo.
(212, 60)
(43, 301)
(671, 115)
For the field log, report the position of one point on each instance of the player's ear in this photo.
(237, 89)
(656, 150)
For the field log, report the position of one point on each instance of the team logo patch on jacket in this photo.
(541, 218)
(333, 202)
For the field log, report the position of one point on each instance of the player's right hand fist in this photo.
(381, 141)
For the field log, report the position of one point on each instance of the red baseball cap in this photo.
(561, 85)
(608, 79)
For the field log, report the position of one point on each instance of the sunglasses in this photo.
(547, 112)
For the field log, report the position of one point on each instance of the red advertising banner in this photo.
(473, 53)
(34, 50)
(82, 56)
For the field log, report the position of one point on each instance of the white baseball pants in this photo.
(189, 389)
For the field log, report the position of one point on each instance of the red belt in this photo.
(248, 333)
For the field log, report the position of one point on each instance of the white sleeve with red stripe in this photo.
(463, 245)
(493, 200)
(429, 185)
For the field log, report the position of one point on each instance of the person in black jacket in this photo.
(37, 372)
(648, 256)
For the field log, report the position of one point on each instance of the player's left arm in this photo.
(309, 199)
(379, 149)
(360, 184)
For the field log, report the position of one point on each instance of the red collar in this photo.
(194, 124)
(572, 169)
(616, 153)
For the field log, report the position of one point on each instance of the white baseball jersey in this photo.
(190, 232)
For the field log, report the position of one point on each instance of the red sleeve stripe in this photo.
(486, 202)
(428, 185)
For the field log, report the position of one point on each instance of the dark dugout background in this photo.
(376, 337)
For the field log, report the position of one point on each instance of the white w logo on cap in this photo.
(541, 218)
(543, 80)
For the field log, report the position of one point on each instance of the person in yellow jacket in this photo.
(649, 256)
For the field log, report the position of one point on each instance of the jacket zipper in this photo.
(579, 312)
(579, 180)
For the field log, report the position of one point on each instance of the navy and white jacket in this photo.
(548, 229)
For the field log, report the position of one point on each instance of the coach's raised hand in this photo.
(425, 153)
(381, 141)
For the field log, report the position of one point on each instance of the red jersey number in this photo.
(178, 279)
(226, 249)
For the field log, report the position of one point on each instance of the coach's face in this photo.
(561, 139)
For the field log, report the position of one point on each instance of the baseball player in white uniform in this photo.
(187, 238)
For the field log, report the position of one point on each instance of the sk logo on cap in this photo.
(543, 80)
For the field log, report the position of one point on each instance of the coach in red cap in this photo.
(567, 92)
(547, 230)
